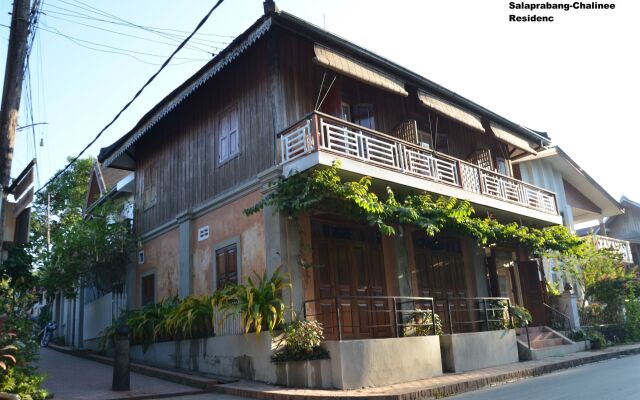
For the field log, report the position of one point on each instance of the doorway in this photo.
(350, 282)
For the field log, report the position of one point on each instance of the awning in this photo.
(450, 110)
(512, 139)
(357, 70)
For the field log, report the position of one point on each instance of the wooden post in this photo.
(11, 93)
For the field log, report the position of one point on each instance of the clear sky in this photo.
(577, 78)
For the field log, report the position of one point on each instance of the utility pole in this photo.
(11, 93)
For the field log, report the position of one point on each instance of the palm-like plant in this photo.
(259, 304)
(147, 324)
(193, 317)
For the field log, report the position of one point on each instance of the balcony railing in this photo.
(367, 317)
(621, 246)
(319, 131)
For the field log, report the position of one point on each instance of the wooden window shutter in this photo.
(226, 266)
(148, 287)
(229, 135)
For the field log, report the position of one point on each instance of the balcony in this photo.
(321, 139)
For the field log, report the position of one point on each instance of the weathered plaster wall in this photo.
(470, 351)
(161, 255)
(225, 223)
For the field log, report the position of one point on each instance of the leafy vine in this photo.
(324, 188)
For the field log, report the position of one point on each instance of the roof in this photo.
(290, 22)
(577, 177)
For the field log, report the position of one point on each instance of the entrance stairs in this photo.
(545, 342)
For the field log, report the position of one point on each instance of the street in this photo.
(613, 379)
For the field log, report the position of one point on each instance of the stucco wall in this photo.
(161, 256)
(226, 223)
(469, 351)
(378, 362)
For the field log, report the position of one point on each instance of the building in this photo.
(285, 97)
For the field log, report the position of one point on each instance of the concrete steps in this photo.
(545, 342)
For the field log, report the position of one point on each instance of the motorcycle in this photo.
(47, 333)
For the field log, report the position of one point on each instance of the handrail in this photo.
(561, 314)
(347, 139)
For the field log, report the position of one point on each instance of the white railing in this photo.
(320, 131)
(621, 246)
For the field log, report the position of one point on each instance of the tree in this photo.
(86, 250)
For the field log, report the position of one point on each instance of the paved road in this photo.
(613, 379)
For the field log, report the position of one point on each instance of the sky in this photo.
(576, 78)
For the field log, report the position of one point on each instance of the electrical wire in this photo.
(123, 22)
(138, 93)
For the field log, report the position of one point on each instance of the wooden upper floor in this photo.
(216, 132)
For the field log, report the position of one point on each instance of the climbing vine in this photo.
(324, 189)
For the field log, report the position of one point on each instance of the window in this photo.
(226, 266)
(150, 192)
(141, 257)
(363, 115)
(345, 110)
(203, 233)
(148, 289)
(503, 167)
(229, 145)
(442, 142)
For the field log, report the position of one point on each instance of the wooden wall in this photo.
(183, 149)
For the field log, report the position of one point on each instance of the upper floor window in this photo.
(150, 192)
(226, 266)
(503, 166)
(363, 115)
(229, 142)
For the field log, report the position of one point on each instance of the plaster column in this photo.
(185, 287)
(568, 305)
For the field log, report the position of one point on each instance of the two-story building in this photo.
(286, 97)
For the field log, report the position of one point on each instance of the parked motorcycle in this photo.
(47, 333)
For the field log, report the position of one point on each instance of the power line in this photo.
(122, 33)
(115, 50)
(123, 22)
(147, 83)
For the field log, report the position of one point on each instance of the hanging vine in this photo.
(324, 189)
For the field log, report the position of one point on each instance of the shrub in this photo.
(632, 318)
(521, 316)
(598, 341)
(302, 342)
(193, 317)
(259, 304)
(421, 323)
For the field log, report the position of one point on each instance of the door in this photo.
(533, 291)
(440, 269)
(349, 271)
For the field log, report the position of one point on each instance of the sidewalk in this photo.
(75, 378)
(438, 387)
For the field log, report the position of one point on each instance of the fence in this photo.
(100, 314)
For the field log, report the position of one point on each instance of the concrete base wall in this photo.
(554, 351)
(378, 362)
(314, 374)
(468, 351)
(246, 356)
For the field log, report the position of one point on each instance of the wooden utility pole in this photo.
(11, 93)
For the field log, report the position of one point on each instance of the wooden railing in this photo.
(323, 132)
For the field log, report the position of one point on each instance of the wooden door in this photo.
(532, 291)
(350, 270)
(440, 270)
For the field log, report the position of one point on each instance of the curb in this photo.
(442, 390)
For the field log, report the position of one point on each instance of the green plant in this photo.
(632, 318)
(193, 317)
(422, 323)
(598, 341)
(553, 288)
(147, 325)
(302, 342)
(259, 304)
(578, 335)
(521, 316)
(324, 188)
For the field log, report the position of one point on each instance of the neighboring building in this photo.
(285, 97)
(580, 198)
(624, 227)
(81, 319)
